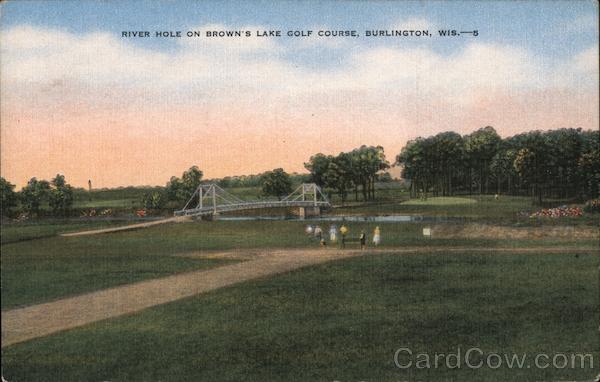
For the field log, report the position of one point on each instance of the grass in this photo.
(440, 201)
(49, 268)
(342, 321)
(482, 208)
(110, 203)
(16, 232)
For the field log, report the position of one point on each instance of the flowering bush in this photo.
(558, 212)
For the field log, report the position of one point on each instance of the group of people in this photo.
(317, 232)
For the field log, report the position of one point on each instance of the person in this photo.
(309, 229)
(318, 233)
(343, 231)
(376, 236)
(333, 233)
(363, 240)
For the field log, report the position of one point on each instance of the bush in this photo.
(592, 206)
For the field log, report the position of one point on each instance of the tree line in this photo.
(562, 163)
(356, 170)
(57, 194)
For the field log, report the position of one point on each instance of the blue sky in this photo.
(544, 27)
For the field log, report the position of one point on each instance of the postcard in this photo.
(300, 191)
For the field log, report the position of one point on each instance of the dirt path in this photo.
(22, 324)
(178, 219)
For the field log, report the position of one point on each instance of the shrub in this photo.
(592, 206)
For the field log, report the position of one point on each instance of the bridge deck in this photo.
(209, 210)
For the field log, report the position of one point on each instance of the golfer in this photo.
(333, 233)
(376, 236)
(343, 231)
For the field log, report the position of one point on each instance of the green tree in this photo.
(415, 165)
(318, 165)
(339, 175)
(181, 189)
(9, 196)
(276, 183)
(153, 200)
(191, 179)
(34, 194)
(60, 195)
(532, 163)
(502, 169)
(589, 168)
(480, 148)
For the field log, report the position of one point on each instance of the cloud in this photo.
(587, 61)
(263, 73)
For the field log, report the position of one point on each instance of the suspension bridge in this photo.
(211, 200)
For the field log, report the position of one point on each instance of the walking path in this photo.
(178, 219)
(23, 324)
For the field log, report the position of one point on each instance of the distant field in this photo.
(440, 201)
(343, 321)
(109, 203)
(34, 271)
(38, 229)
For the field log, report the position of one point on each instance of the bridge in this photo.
(211, 200)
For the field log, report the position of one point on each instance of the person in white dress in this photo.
(333, 233)
(376, 236)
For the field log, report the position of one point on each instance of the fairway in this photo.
(341, 321)
(49, 268)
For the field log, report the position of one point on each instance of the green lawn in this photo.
(440, 201)
(482, 208)
(342, 321)
(110, 203)
(45, 269)
(16, 232)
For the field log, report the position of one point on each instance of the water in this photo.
(334, 218)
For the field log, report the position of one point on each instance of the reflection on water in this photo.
(333, 218)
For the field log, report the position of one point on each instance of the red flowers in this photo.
(558, 212)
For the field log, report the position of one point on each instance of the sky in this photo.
(79, 99)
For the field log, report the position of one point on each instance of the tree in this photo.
(33, 194)
(480, 148)
(9, 196)
(318, 165)
(366, 162)
(276, 183)
(182, 189)
(153, 200)
(191, 180)
(502, 169)
(339, 175)
(589, 168)
(60, 196)
(413, 160)
(531, 163)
